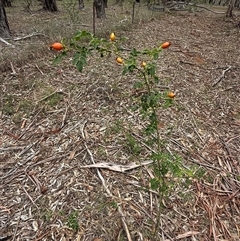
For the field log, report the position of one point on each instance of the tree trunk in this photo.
(50, 5)
(81, 4)
(230, 8)
(105, 2)
(4, 27)
(7, 3)
(100, 9)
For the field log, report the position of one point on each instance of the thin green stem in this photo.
(154, 111)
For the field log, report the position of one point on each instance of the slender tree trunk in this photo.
(105, 2)
(81, 4)
(50, 5)
(230, 8)
(7, 3)
(100, 8)
(4, 27)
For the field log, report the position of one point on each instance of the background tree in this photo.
(100, 8)
(7, 3)
(4, 27)
(81, 4)
(231, 5)
(50, 5)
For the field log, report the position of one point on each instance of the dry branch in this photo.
(29, 36)
(187, 234)
(221, 77)
(116, 167)
(7, 43)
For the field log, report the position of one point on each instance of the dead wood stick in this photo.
(116, 167)
(221, 77)
(29, 36)
(13, 70)
(39, 69)
(12, 148)
(5, 209)
(7, 43)
(53, 93)
(30, 124)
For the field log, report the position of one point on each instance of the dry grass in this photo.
(54, 121)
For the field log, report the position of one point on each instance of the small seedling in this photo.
(73, 221)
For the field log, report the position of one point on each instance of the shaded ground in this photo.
(55, 120)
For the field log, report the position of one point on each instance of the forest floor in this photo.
(56, 121)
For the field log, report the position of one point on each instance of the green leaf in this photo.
(134, 52)
(125, 70)
(144, 102)
(151, 70)
(168, 103)
(96, 43)
(154, 183)
(76, 57)
(85, 33)
(155, 56)
(150, 129)
(82, 34)
(130, 65)
(73, 221)
(164, 168)
(80, 59)
(163, 187)
(156, 79)
(138, 85)
(131, 68)
(146, 51)
(59, 57)
(79, 66)
(83, 59)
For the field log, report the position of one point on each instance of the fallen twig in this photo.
(5, 209)
(187, 234)
(7, 43)
(117, 167)
(221, 77)
(53, 93)
(13, 70)
(39, 69)
(29, 36)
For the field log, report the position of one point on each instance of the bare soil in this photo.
(55, 121)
